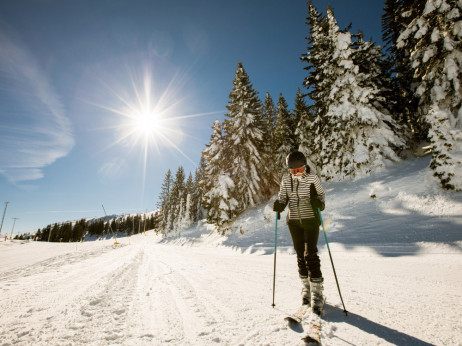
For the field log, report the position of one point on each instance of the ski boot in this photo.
(317, 297)
(306, 291)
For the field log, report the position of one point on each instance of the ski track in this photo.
(153, 294)
(56, 303)
(138, 294)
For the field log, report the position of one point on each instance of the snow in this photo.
(395, 238)
(429, 7)
(429, 53)
(435, 35)
(457, 31)
(343, 41)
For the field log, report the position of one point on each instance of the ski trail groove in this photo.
(54, 303)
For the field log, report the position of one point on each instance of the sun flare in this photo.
(146, 113)
(146, 123)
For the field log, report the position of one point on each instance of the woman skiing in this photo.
(304, 193)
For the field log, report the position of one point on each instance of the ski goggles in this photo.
(297, 170)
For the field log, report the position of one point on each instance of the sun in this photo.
(146, 112)
(146, 123)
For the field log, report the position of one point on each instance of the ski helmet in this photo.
(295, 159)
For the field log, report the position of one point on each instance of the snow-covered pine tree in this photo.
(180, 213)
(244, 142)
(402, 102)
(359, 136)
(373, 70)
(164, 200)
(269, 120)
(318, 80)
(177, 199)
(198, 190)
(222, 204)
(218, 187)
(189, 214)
(299, 112)
(283, 135)
(187, 220)
(433, 38)
(304, 130)
(269, 116)
(374, 73)
(213, 156)
(169, 224)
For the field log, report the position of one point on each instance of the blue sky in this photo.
(74, 74)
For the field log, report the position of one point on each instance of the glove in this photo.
(278, 206)
(316, 203)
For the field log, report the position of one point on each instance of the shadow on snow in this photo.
(393, 336)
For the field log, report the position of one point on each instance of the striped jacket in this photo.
(297, 193)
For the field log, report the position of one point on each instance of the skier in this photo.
(304, 193)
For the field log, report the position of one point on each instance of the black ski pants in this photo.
(305, 234)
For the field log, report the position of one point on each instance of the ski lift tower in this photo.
(3, 218)
(14, 223)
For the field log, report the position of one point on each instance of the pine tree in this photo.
(403, 103)
(189, 212)
(187, 218)
(300, 108)
(55, 233)
(165, 189)
(433, 38)
(269, 119)
(138, 222)
(284, 134)
(79, 230)
(244, 142)
(177, 198)
(217, 186)
(222, 204)
(320, 49)
(269, 128)
(353, 135)
(304, 131)
(373, 71)
(164, 202)
(180, 215)
(214, 158)
(199, 190)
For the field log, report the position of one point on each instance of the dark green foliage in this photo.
(165, 202)
(269, 116)
(284, 135)
(79, 230)
(432, 37)
(404, 103)
(244, 145)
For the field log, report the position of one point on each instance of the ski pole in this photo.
(275, 248)
(332, 261)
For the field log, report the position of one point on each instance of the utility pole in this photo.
(4, 212)
(144, 225)
(113, 235)
(49, 234)
(11, 236)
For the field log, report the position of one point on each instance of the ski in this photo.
(313, 334)
(299, 315)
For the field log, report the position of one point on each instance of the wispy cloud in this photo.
(112, 169)
(34, 128)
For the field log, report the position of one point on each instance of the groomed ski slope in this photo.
(398, 258)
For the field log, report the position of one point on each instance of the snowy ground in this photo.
(398, 258)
